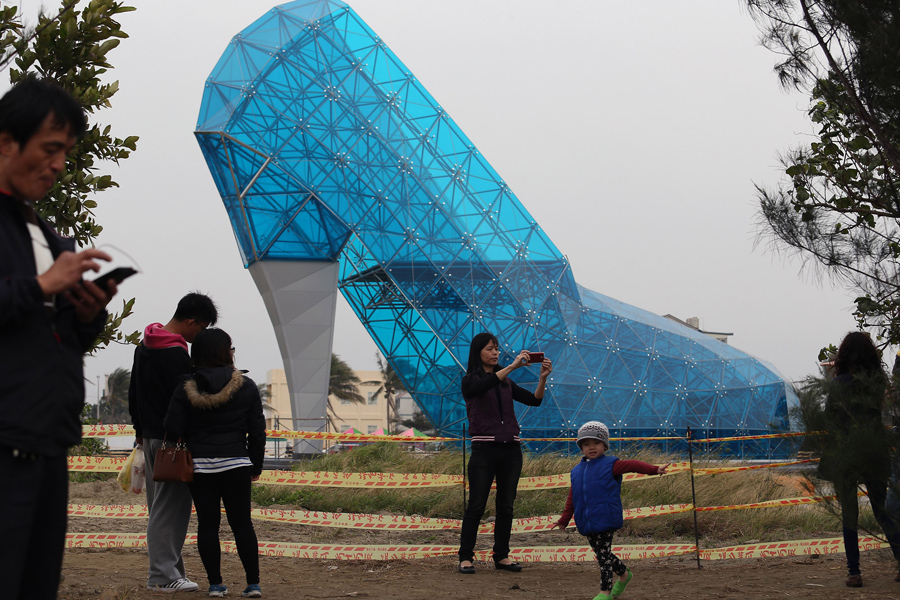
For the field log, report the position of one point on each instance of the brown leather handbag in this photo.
(173, 463)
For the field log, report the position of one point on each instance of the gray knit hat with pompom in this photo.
(593, 430)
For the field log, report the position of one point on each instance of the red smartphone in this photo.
(535, 357)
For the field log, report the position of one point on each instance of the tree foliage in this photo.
(343, 384)
(418, 421)
(114, 403)
(839, 207)
(71, 46)
(389, 385)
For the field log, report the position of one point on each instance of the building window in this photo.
(371, 429)
(345, 401)
(373, 399)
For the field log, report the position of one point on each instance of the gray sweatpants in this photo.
(169, 504)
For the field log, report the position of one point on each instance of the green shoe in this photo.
(602, 596)
(619, 586)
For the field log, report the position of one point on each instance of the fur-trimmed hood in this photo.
(209, 378)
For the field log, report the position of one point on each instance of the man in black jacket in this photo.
(161, 363)
(49, 317)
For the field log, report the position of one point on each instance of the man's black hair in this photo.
(198, 307)
(25, 107)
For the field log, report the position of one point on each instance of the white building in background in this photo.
(367, 417)
(694, 323)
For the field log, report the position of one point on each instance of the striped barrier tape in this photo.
(119, 429)
(113, 540)
(366, 480)
(777, 503)
(385, 552)
(111, 511)
(524, 555)
(366, 521)
(791, 548)
(97, 463)
(114, 430)
(717, 470)
(757, 437)
(387, 480)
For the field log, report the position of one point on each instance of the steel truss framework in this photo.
(324, 146)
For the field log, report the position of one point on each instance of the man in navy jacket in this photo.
(49, 317)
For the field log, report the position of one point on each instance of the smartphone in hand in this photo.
(535, 357)
(118, 275)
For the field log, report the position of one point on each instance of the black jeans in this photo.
(489, 461)
(34, 496)
(846, 492)
(232, 487)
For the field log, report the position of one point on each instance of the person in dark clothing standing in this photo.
(161, 362)
(49, 317)
(496, 451)
(856, 447)
(219, 412)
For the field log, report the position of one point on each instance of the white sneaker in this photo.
(179, 585)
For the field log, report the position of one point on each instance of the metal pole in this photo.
(98, 397)
(464, 466)
(693, 497)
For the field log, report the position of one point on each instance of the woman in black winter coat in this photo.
(219, 413)
(855, 448)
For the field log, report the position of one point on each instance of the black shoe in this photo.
(513, 567)
(470, 570)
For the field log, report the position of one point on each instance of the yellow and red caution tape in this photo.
(410, 480)
(112, 511)
(718, 470)
(789, 548)
(113, 540)
(360, 480)
(525, 555)
(768, 436)
(97, 463)
(119, 429)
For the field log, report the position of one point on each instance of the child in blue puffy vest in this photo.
(595, 498)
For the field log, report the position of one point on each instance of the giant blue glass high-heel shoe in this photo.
(339, 171)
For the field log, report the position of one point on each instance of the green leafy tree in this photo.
(343, 384)
(388, 386)
(71, 46)
(418, 421)
(839, 206)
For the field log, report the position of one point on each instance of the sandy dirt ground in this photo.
(109, 574)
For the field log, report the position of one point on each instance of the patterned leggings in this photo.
(609, 562)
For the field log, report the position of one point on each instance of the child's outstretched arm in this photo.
(566, 515)
(637, 466)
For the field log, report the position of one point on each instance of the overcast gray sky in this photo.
(632, 131)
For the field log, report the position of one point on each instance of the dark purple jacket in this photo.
(489, 406)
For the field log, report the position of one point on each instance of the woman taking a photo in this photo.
(219, 412)
(496, 451)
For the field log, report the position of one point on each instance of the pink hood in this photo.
(156, 337)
